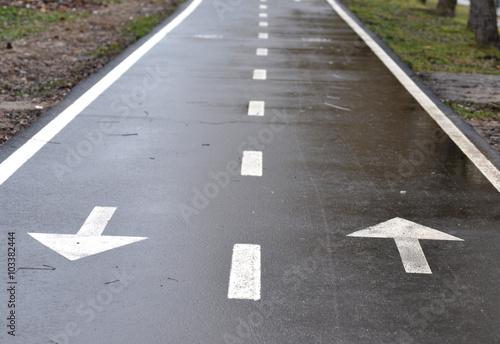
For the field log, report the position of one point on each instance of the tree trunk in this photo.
(473, 15)
(447, 7)
(483, 21)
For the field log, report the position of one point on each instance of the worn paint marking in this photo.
(245, 275)
(251, 164)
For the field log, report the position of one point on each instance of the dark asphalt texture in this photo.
(327, 172)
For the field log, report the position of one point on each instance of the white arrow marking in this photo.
(88, 241)
(407, 234)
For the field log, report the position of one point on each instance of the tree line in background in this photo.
(482, 19)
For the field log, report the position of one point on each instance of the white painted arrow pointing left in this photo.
(88, 241)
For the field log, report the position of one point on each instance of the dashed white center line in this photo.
(244, 279)
(262, 15)
(251, 164)
(263, 35)
(256, 108)
(261, 52)
(263, 7)
(263, 0)
(263, 24)
(259, 74)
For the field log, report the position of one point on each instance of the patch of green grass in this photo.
(48, 87)
(141, 26)
(426, 41)
(137, 28)
(112, 49)
(474, 110)
(17, 23)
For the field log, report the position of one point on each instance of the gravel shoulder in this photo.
(477, 94)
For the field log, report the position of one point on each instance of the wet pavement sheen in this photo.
(345, 147)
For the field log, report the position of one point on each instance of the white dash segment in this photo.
(263, 7)
(260, 74)
(256, 108)
(244, 278)
(263, 35)
(263, 24)
(261, 52)
(251, 164)
(262, 15)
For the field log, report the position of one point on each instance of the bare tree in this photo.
(483, 21)
(447, 7)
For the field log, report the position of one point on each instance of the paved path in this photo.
(257, 176)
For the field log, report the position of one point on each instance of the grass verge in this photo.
(141, 26)
(429, 42)
(426, 41)
(20, 22)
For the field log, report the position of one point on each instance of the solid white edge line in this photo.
(482, 163)
(251, 164)
(256, 108)
(17, 159)
(245, 275)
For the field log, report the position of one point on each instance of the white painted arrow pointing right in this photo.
(406, 234)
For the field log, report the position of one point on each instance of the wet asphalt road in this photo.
(344, 147)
